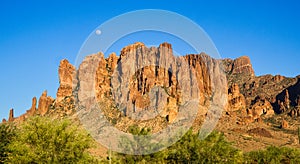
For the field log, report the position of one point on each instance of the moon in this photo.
(98, 32)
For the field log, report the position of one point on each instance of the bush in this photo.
(214, 149)
(7, 132)
(274, 155)
(44, 140)
(189, 149)
(150, 158)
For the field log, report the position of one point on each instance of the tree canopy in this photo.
(46, 140)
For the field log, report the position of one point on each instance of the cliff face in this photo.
(66, 74)
(146, 79)
(241, 65)
(142, 75)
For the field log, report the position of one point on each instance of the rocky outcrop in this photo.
(103, 75)
(141, 75)
(33, 109)
(131, 48)
(262, 106)
(29, 112)
(139, 71)
(64, 103)
(283, 102)
(210, 80)
(11, 117)
(87, 81)
(241, 65)
(278, 78)
(286, 101)
(295, 112)
(145, 71)
(66, 74)
(44, 103)
(281, 92)
(236, 100)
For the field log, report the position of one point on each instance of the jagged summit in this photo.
(241, 65)
(237, 71)
(249, 98)
(131, 47)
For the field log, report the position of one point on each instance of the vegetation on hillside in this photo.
(7, 133)
(44, 140)
(213, 149)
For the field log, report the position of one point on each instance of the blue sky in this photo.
(36, 35)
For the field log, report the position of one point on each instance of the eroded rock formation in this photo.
(141, 75)
(33, 109)
(236, 100)
(44, 103)
(66, 74)
(262, 106)
(11, 115)
(241, 65)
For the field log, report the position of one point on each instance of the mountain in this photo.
(152, 88)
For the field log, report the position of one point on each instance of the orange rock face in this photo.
(142, 72)
(241, 65)
(236, 100)
(103, 73)
(131, 48)
(211, 81)
(11, 115)
(66, 74)
(44, 103)
(29, 112)
(143, 75)
(32, 110)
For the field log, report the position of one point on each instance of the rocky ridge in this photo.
(263, 94)
(141, 72)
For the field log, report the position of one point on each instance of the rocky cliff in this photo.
(139, 73)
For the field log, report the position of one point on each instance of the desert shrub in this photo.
(189, 149)
(213, 149)
(7, 132)
(144, 147)
(44, 140)
(274, 155)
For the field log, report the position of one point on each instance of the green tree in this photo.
(141, 144)
(46, 140)
(189, 149)
(214, 149)
(7, 132)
